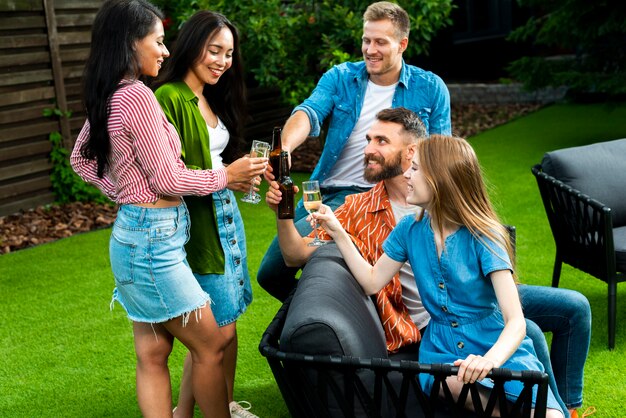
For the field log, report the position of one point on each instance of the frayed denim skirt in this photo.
(153, 281)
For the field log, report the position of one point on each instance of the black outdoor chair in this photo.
(327, 352)
(583, 190)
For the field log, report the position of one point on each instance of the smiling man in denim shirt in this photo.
(351, 94)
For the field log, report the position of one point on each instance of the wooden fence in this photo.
(43, 47)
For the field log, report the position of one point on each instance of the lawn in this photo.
(65, 354)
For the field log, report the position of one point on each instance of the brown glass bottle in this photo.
(275, 152)
(286, 207)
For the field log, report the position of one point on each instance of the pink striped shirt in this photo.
(145, 161)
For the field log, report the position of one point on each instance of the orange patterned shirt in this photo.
(368, 219)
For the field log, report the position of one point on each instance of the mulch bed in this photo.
(51, 222)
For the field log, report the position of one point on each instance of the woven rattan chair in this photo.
(583, 190)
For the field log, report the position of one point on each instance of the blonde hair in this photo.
(386, 10)
(451, 169)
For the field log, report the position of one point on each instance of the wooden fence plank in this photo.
(25, 186)
(28, 131)
(14, 60)
(73, 71)
(20, 5)
(75, 54)
(22, 22)
(22, 114)
(72, 38)
(77, 123)
(22, 41)
(24, 150)
(23, 169)
(27, 95)
(71, 20)
(25, 77)
(78, 4)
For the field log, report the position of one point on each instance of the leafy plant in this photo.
(584, 40)
(291, 44)
(67, 186)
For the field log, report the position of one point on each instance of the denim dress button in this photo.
(454, 324)
(460, 344)
(237, 261)
(229, 220)
(233, 241)
(442, 286)
(444, 308)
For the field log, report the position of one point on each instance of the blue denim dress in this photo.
(461, 301)
(231, 292)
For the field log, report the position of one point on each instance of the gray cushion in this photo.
(597, 170)
(330, 314)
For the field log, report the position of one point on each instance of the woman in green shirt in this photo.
(202, 92)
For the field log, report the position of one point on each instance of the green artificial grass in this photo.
(65, 354)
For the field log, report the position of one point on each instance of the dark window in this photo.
(478, 20)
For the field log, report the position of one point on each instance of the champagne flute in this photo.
(312, 197)
(259, 149)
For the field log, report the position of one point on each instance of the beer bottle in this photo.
(276, 150)
(286, 207)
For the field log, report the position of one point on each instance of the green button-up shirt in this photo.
(204, 251)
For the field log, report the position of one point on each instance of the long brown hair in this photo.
(451, 169)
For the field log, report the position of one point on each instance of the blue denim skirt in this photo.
(153, 281)
(231, 292)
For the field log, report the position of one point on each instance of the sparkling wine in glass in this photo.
(259, 149)
(312, 197)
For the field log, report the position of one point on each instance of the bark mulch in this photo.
(51, 222)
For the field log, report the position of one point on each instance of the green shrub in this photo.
(590, 37)
(290, 44)
(67, 186)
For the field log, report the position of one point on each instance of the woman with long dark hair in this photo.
(131, 152)
(202, 92)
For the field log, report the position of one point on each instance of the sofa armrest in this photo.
(330, 314)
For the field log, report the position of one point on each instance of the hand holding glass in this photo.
(312, 197)
(259, 149)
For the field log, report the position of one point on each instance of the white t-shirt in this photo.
(218, 138)
(410, 294)
(348, 170)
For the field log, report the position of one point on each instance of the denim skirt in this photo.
(231, 292)
(153, 281)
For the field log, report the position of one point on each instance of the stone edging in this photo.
(502, 94)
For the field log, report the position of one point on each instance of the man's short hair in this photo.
(386, 10)
(410, 121)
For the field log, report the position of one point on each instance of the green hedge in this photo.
(290, 44)
(586, 41)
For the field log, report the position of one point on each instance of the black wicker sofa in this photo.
(327, 352)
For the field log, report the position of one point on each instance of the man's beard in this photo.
(388, 170)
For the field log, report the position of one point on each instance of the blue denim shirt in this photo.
(340, 93)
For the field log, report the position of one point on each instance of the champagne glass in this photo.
(312, 197)
(259, 149)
